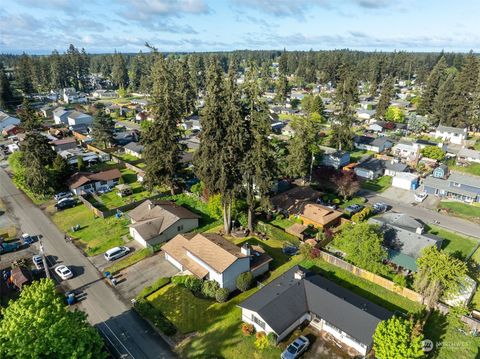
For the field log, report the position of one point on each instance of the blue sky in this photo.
(39, 26)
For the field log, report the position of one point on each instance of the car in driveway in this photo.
(65, 203)
(296, 348)
(420, 197)
(37, 261)
(62, 195)
(27, 239)
(353, 208)
(63, 272)
(115, 253)
(380, 207)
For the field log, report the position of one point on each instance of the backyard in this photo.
(473, 169)
(459, 209)
(378, 185)
(96, 235)
(128, 157)
(356, 155)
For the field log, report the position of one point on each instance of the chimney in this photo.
(419, 230)
(245, 250)
(299, 275)
(150, 205)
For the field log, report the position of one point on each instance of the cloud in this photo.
(148, 9)
(374, 4)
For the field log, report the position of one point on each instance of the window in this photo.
(180, 228)
(456, 184)
(103, 182)
(258, 321)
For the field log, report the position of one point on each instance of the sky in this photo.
(101, 26)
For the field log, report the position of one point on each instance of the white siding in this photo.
(295, 324)
(230, 275)
(173, 261)
(247, 318)
(343, 337)
(136, 236)
(261, 270)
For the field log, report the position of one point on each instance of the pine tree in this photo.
(445, 103)
(57, 71)
(103, 128)
(119, 71)
(346, 93)
(474, 120)
(465, 85)
(385, 97)
(185, 87)
(281, 88)
(24, 74)
(434, 81)
(6, 95)
(283, 63)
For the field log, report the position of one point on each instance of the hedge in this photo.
(277, 233)
(159, 283)
(130, 260)
(146, 310)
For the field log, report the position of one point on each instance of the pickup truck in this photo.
(9, 247)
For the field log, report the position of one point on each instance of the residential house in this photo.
(11, 130)
(85, 182)
(405, 238)
(368, 105)
(320, 216)
(122, 138)
(64, 144)
(466, 156)
(101, 94)
(370, 169)
(366, 114)
(375, 127)
(134, 149)
(7, 120)
(70, 95)
(334, 158)
(452, 134)
(405, 180)
(60, 115)
(440, 171)
(378, 144)
(76, 118)
(406, 150)
(459, 186)
(157, 222)
(394, 167)
(72, 155)
(299, 296)
(210, 256)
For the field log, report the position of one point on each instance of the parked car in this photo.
(296, 348)
(380, 207)
(27, 239)
(116, 253)
(62, 195)
(354, 208)
(37, 261)
(6, 247)
(66, 203)
(420, 197)
(64, 272)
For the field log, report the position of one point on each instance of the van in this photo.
(116, 253)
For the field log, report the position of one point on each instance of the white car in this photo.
(116, 253)
(420, 197)
(37, 261)
(64, 272)
(296, 348)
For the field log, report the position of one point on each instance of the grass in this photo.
(96, 234)
(453, 243)
(473, 169)
(475, 263)
(283, 223)
(355, 156)
(378, 185)
(127, 157)
(130, 260)
(459, 209)
(450, 343)
(354, 200)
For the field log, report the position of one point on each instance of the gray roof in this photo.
(378, 142)
(466, 152)
(395, 166)
(293, 298)
(372, 164)
(442, 184)
(76, 114)
(465, 179)
(460, 131)
(134, 147)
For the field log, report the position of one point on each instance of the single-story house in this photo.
(70, 95)
(407, 150)
(404, 238)
(370, 169)
(64, 144)
(378, 144)
(85, 182)
(458, 185)
(405, 180)
(320, 216)
(134, 149)
(6, 120)
(466, 155)
(155, 222)
(365, 114)
(60, 115)
(79, 118)
(73, 154)
(452, 134)
(394, 167)
(104, 94)
(375, 127)
(212, 257)
(334, 158)
(124, 137)
(299, 295)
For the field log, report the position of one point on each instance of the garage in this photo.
(405, 180)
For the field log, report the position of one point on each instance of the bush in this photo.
(277, 233)
(209, 288)
(400, 280)
(362, 215)
(244, 281)
(222, 294)
(314, 253)
(197, 189)
(159, 283)
(180, 279)
(194, 284)
(248, 329)
(305, 250)
(155, 316)
(261, 341)
(272, 339)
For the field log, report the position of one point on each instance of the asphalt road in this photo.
(128, 335)
(427, 216)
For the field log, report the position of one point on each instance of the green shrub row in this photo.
(159, 283)
(146, 310)
(277, 233)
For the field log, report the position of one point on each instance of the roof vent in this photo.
(245, 249)
(299, 274)
(419, 230)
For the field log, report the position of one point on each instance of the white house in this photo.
(134, 149)
(7, 120)
(157, 222)
(299, 295)
(104, 94)
(70, 95)
(377, 145)
(85, 182)
(75, 118)
(60, 115)
(210, 256)
(405, 180)
(406, 150)
(452, 134)
(466, 155)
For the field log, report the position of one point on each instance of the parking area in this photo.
(408, 197)
(144, 273)
(101, 263)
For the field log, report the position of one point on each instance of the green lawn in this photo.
(130, 260)
(473, 169)
(468, 211)
(456, 244)
(354, 200)
(450, 343)
(475, 263)
(378, 185)
(96, 234)
(355, 156)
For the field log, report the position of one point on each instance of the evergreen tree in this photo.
(61, 171)
(281, 88)
(103, 128)
(385, 97)
(119, 71)
(342, 134)
(162, 139)
(346, 93)
(474, 119)
(445, 103)
(463, 94)
(57, 71)
(283, 63)
(185, 87)
(6, 95)
(434, 81)
(24, 74)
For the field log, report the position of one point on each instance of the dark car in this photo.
(380, 207)
(65, 203)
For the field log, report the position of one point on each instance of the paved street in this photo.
(128, 334)
(427, 216)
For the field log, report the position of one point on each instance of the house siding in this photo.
(173, 261)
(230, 275)
(188, 225)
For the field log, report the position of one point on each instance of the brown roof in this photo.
(176, 249)
(80, 178)
(320, 214)
(296, 229)
(295, 199)
(64, 141)
(155, 209)
(21, 276)
(259, 257)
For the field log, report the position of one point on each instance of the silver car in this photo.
(296, 348)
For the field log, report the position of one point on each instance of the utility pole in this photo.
(44, 259)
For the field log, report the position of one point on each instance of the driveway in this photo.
(144, 273)
(322, 346)
(101, 263)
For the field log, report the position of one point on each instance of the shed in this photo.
(21, 276)
(297, 229)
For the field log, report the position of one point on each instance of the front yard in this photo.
(378, 185)
(96, 234)
(473, 169)
(459, 209)
(453, 243)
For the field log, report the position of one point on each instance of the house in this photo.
(75, 118)
(157, 222)
(134, 149)
(70, 95)
(366, 114)
(394, 167)
(212, 257)
(440, 171)
(459, 186)
(299, 296)
(192, 123)
(370, 169)
(64, 144)
(11, 130)
(320, 216)
(104, 94)
(406, 150)
(375, 127)
(85, 182)
(123, 138)
(334, 158)
(405, 180)
(7, 120)
(60, 115)
(72, 155)
(452, 134)
(405, 238)
(466, 156)
(378, 144)
(294, 200)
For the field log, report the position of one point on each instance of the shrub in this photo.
(197, 188)
(400, 280)
(221, 295)
(314, 253)
(155, 316)
(277, 233)
(248, 329)
(261, 341)
(272, 339)
(194, 284)
(159, 283)
(209, 288)
(244, 281)
(180, 279)
(362, 215)
(336, 201)
(305, 250)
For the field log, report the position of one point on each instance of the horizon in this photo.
(174, 26)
